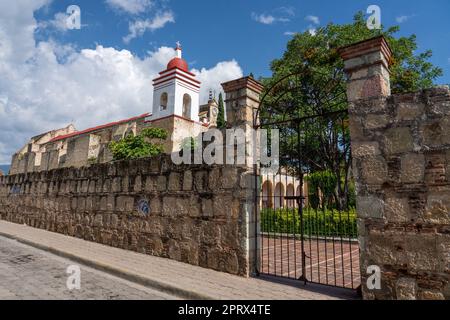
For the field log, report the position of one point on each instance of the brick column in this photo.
(242, 98)
(401, 164)
(367, 65)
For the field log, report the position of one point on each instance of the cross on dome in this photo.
(178, 49)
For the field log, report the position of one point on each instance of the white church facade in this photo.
(176, 108)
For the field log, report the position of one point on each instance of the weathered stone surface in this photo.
(370, 207)
(376, 121)
(191, 210)
(409, 111)
(413, 168)
(175, 181)
(398, 140)
(187, 181)
(396, 209)
(374, 170)
(365, 149)
(431, 295)
(437, 209)
(401, 150)
(406, 289)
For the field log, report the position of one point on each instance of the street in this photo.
(28, 273)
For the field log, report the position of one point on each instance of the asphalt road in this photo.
(27, 273)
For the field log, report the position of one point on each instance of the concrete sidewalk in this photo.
(167, 275)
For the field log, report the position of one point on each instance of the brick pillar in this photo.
(367, 65)
(401, 164)
(242, 98)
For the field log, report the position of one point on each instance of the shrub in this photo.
(327, 222)
(146, 144)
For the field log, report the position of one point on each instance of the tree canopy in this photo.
(309, 79)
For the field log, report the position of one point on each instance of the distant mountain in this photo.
(4, 168)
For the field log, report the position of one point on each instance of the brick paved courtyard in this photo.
(327, 262)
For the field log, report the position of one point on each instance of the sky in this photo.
(52, 75)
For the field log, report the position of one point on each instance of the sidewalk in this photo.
(166, 275)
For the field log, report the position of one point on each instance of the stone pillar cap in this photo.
(245, 82)
(365, 47)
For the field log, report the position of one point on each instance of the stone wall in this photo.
(196, 214)
(401, 151)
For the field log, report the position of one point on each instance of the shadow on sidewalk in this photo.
(341, 293)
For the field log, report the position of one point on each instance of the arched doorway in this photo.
(290, 203)
(267, 194)
(279, 196)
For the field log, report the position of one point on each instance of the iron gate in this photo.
(307, 220)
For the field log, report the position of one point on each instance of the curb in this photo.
(147, 282)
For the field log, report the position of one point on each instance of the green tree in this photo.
(221, 115)
(148, 143)
(309, 79)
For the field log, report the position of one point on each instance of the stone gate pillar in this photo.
(401, 164)
(242, 97)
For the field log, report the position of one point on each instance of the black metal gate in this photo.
(307, 220)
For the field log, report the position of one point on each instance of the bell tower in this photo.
(176, 91)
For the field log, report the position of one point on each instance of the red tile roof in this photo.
(77, 133)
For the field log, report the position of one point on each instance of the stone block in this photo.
(376, 121)
(431, 295)
(207, 208)
(437, 209)
(386, 248)
(174, 181)
(200, 180)
(406, 289)
(365, 149)
(398, 140)
(396, 209)
(223, 206)
(214, 179)
(409, 111)
(137, 184)
(125, 204)
(175, 206)
(161, 183)
(421, 252)
(412, 168)
(187, 181)
(374, 170)
(229, 177)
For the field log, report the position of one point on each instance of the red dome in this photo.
(178, 63)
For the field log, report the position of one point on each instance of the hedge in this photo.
(326, 223)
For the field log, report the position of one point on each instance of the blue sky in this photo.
(52, 76)
(212, 30)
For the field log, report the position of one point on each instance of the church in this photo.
(176, 108)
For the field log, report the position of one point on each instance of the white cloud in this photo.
(139, 27)
(212, 78)
(267, 18)
(130, 6)
(58, 23)
(290, 33)
(404, 18)
(290, 11)
(92, 86)
(262, 18)
(313, 19)
(312, 31)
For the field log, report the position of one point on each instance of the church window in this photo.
(163, 101)
(187, 106)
